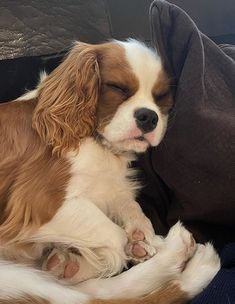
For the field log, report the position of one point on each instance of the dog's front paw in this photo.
(61, 263)
(140, 245)
(69, 265)
(200, 270)
(180, 241)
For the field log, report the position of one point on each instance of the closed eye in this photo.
(161, 95)
(118, 88)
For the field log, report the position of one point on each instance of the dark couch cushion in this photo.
(196, 160)
(32, 28)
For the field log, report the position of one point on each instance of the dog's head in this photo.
(117, 91)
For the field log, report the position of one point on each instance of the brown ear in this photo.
(66, 108)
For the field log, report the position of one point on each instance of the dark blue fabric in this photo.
(222, 288)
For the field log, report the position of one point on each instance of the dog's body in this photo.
(65, 179)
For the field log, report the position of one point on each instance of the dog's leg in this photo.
(138, 228)
(66, 263)
(161, 276)
(151, 275)
(23, 285)
(70, 266)
(81, 225)
(200, 270)
(170, 293)
(164, 274)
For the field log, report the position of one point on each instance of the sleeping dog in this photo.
(66, 184)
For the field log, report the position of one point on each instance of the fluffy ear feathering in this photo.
(67, 99)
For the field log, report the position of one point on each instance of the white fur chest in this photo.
(100, 176)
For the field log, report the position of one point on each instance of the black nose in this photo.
(146, 119)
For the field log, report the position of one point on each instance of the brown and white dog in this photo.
(65, 182)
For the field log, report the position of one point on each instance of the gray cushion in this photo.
(196, 160)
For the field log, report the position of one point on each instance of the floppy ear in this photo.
(66, 108)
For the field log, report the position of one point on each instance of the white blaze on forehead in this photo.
(145, 63)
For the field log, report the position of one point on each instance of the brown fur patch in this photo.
(67, 101)
(168, 294)
(162, 93)
(32, 180)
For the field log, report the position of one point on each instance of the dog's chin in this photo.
(137, 145)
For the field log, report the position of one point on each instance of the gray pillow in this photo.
(196, 160)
